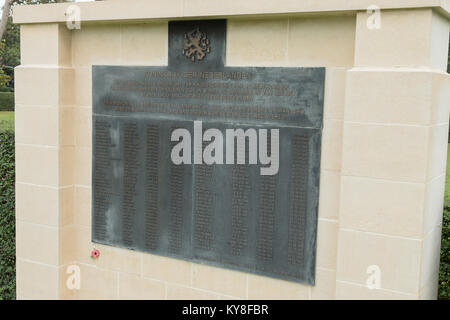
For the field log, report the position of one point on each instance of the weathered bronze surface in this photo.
(224, 215)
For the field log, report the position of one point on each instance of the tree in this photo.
(5, 15)
(10, 50)
(4, 76)
(10, 40)
(7, 10)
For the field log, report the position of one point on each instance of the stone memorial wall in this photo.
(357, 97)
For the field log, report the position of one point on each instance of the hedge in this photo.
(444, 272)
(6, 89)
(6, 101)
(7, 217)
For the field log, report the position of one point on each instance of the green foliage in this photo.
(444, 272)
(4, 79)
(10, 48)
(6, 89)
(6, 121)
(6, 101)
(9, 54)
(7, 217)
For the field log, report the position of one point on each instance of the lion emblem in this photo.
(196, 45)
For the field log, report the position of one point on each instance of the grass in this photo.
(6, 120)
(447, 181)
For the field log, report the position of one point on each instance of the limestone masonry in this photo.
(382, 139)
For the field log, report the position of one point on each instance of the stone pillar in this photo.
(44, 148)
(394, 156)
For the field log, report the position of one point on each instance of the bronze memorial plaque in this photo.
(209, 163)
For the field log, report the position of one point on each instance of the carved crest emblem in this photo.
(196, 45)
